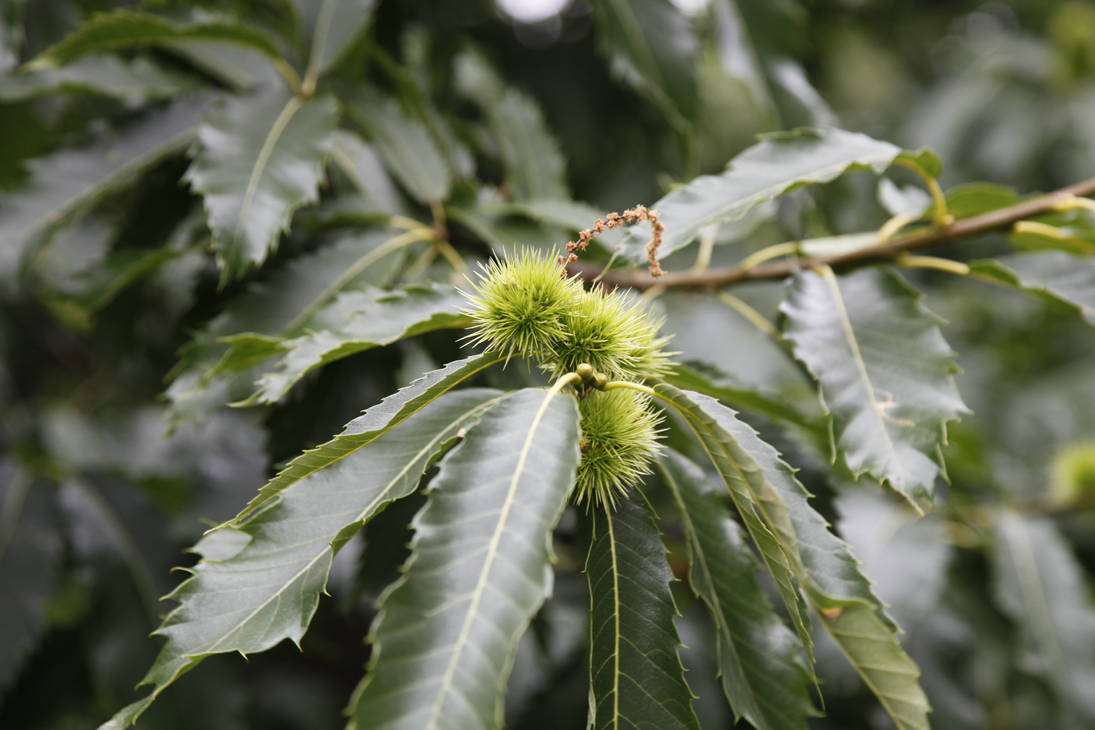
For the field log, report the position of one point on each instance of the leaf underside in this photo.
(775, 165)
(884, 373)
(1058, 275)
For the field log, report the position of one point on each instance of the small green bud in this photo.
(585, 371)
(600, 380)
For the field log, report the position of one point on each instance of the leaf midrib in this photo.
(829, 278)
(266, 151)
(445, 686)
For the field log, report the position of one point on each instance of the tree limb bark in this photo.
(708, 279)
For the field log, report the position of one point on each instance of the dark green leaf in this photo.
(1058, 275)
(652, 46)
(357, 321)
(260, 579)
(778, 163)
(68, 182)
(30, 551)
(133, 82)
(128, 28)
(884, 372)
(261, 158)
(636, 677)
(1039, 584)
(443, 648)
(371, 425)
(799, 550)
(759, 659)
(338, 24)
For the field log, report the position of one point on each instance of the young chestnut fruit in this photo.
(526, 305)
(619, 440)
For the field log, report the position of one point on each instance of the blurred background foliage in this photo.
(104, 480)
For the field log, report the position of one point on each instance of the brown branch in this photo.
(716, 278)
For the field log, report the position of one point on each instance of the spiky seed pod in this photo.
(619, 440)
(615, 334)
(519, 304)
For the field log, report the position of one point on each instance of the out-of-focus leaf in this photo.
(353, 322)
(261, 158)
(338, 24)
(68, 182)
(260, 579)
(759, 659)
(884, 372)
(970, 199)
(898, 200)
(651, 45)
(1058, 275)
(800, 551)
(904, 556)
(128, 28)
(30, 550)
(407, 148)
(133, 82)
(535, 168)
(1040, 586)
(361, 164)
(636, 677)
(443, 649)
(778, 163)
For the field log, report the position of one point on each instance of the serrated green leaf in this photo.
(636, 677)
(652, 45)
(884, 373)
(371, 425)
(68, 182)
(261, 158)
(407, 148)
(443, 649)
(129, 28)
(259, 580)
(799, 550)
(759, 659)
(356, 321)
(778, 163)
(759, 506)
(872, 648)
(338, 24)
(1058, 275)
(1040, 586)
(133, 82)
(269, 310)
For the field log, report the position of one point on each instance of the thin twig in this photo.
(716, 278)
